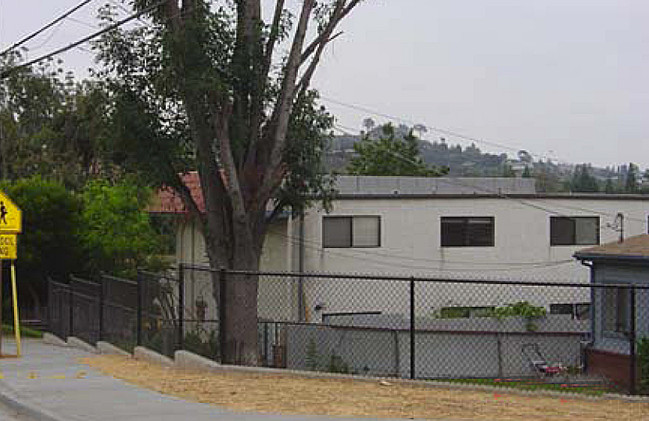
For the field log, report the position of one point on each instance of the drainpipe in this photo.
(300, 263)
(592, 315)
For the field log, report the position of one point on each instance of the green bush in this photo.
(116, 232)
(643, 363)
(48, 245)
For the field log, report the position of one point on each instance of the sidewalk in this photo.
(48, 383)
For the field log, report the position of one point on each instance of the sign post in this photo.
(11, 224)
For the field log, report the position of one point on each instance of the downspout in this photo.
(592, 314)
(300, 264)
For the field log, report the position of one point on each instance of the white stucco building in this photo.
(450, 228)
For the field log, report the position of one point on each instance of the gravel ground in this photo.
(301, 396)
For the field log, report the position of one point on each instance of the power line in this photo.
(44, 28)
(75, 44)
(505, 196)
(428, 127)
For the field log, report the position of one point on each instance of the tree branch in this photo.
(282, 111)
(322, 37)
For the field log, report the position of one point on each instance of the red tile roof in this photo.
(167, 201)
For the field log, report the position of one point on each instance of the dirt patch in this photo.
(343, 397)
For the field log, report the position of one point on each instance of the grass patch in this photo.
(25, 332)
(532, 384)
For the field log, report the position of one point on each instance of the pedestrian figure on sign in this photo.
(3, 213)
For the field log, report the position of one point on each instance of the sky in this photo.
(563, 79)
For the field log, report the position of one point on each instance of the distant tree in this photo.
(631, 181)
(369, 124)
(527, 173)
(420, 129)
(508, 171)
(583, 181)
(391, 155)
(525, 157)
(609, 188)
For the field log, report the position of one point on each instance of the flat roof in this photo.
(570, 196)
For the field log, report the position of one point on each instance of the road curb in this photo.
(10, 399)
(51, 339)
(107, 348)
(78, 343)
(145, 354)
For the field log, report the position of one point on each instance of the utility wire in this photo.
(75, 44)
(519, 200)
(428, 127)
(44, 28)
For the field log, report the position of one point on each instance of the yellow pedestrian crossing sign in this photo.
(8, 246)
(11, 220)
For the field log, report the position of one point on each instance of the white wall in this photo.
(410, 245)
(198, 284)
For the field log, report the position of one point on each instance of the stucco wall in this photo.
(410, 245)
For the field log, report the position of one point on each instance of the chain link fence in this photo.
(471, 330)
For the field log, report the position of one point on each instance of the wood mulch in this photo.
(345, 397)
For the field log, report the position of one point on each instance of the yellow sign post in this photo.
(11, 223)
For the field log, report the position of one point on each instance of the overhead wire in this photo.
(83, 40)
(519, 200)
(44, 28)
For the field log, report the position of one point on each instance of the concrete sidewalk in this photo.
(48, 383)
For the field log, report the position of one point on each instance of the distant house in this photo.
(437, 227)
(621, 263)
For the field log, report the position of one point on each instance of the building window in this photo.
(351, 231)
(580, 311)
(467, 231)
(574, 230)
(617, 306)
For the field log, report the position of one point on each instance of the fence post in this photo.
(71, 310)
(181, 305)
(50, 300)
(412, 328)
(632, 341)
(140, 301)
(222, 286)
(101, 309)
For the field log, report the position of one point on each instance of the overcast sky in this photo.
(561, 78)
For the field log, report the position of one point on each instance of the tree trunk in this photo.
(239, 312)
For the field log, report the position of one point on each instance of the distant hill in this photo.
(470, 161)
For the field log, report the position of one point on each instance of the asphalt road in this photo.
(9, 414)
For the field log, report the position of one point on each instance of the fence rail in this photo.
(412, 327)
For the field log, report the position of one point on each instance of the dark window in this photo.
(578, 311)
(467, 231)
(617, 306)
(574, 230)
(465, 312)
(351, 231)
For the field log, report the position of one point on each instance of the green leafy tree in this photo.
(214, 86)
(508, 171)
(527, 173)
(583, 180)
(48, 245)
(609, 187)
(50, 125)
(631, 180)
(389, 154)
(115, 231)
